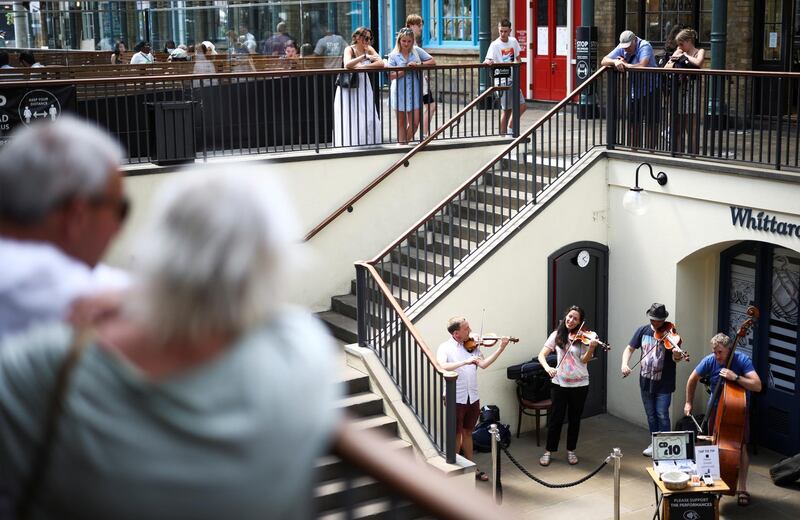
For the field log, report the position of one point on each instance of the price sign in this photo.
(670, 447)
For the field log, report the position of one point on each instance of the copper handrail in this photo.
(403, 161)
(406, 322)
(523, 136)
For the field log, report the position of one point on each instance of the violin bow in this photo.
(642, 356)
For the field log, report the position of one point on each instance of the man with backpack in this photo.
(452, 355)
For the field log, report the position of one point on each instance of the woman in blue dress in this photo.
(406, 90)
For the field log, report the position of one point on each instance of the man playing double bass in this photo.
(742, 373)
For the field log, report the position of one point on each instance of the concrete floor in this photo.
(594, 499)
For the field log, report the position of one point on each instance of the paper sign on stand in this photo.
(707, 460)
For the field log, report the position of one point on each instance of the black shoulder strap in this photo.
(41, 459)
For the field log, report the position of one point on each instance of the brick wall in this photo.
(739, 52)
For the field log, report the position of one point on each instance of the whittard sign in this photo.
(762, 221)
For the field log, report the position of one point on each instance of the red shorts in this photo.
(467, 415)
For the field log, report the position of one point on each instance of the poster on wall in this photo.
(562, 40)
(541, 41)
(21, 106)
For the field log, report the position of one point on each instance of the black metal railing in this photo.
(239, 113)
(748, 117)
(429, 391)
(439, 242)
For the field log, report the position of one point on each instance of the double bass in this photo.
(731, 417)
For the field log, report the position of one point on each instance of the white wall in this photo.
(671, 255)
(317, 187)
(512, 286)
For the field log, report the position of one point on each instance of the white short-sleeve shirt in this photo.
(571, 371)
(451, 351)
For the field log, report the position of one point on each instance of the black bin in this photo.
(172, 139)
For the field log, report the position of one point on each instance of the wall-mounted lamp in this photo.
(635, 200)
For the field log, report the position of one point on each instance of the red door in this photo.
(550, 37)
(522, 34)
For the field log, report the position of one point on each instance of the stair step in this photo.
(342, 327)
(442, 244)
(426, 261)
(403, 296)
(364, 404)
(332, 494)
(355, 382)
(345, 304)
(463, 228)
(331, 467)
(397, 275)
(489, 214)
(501, 197)
(381, 423)
(377, 509)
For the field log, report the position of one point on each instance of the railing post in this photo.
(515, 98)
(494, 433)
(616, 454)
(361, 304)
(611, 110)
(450, 419)
(673, 109)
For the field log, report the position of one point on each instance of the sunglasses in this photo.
(122, 206)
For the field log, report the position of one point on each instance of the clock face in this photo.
(583, 258)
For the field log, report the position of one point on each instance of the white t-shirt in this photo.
(39, 282)
(504, 52)
(451, 351)
(140, 58)
(572, 371)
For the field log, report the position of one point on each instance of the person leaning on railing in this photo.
(687, 56)
(406, 89)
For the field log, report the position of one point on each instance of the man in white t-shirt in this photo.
(61, 204)
(452, 356)
(505, 49)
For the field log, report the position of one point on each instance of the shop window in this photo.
(654, 19)
(450, 23)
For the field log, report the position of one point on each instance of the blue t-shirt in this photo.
(657, 374)
(643, 50)
(708, 366)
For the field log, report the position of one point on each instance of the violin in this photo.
(586, 337)
(475, 341)
(668, 335)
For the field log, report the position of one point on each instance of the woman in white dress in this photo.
(355, 118)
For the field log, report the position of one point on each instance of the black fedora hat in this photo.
(657, 311)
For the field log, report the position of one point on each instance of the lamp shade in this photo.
(636, 201)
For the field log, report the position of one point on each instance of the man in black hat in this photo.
(657, 375)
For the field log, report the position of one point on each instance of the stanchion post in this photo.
(616, 454)
(494, 433)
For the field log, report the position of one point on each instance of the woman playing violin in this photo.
(574, 348)
(657, 376)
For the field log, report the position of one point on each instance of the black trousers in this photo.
(567, 402)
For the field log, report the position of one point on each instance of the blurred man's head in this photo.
(60, 183)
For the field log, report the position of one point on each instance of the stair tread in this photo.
(348, 373)
(390, 445)
(356, 399)
(368, 423)
(404, 271)
(368, 509)
(339, 320)
(506, 193)
(481, 206)
(461, 243)
(347, 299)
(403, 297)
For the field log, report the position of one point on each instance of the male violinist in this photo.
(452, 356)
(657, 375)
(742, 373)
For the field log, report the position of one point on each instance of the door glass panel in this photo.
(773, 27)
(742, 294)
(561, 13)
(542, 47)
(783, 320)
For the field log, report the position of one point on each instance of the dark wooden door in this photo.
(578, 275)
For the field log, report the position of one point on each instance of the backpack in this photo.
(783, 473)
(481, 438)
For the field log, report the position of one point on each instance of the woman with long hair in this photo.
(687, 56)
(356, 120)
(406, 89)
(570, 381)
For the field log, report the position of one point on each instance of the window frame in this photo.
(438, 40)
(640, 28)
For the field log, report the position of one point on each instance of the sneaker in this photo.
(648, 451)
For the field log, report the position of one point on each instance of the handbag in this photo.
(347, 79)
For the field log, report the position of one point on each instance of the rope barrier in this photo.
(547, 484)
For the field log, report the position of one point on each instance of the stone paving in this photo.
(594, 499)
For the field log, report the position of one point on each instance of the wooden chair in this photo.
(537, 409)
